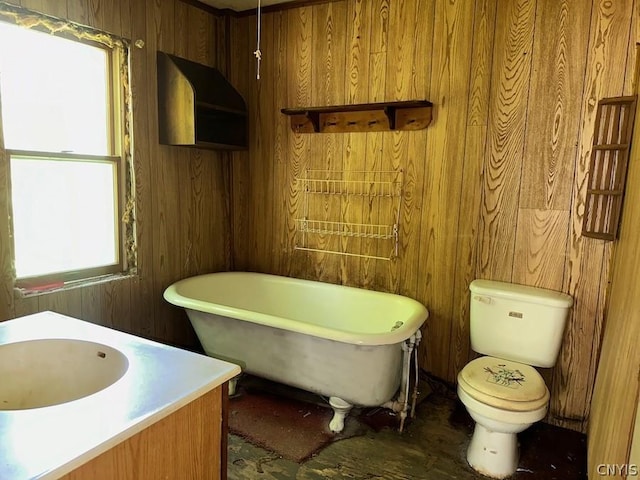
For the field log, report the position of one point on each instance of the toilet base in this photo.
(493, 454)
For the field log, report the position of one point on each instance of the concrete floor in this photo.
(432, 447)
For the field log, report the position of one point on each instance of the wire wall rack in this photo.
(372, 184)
(326, 193)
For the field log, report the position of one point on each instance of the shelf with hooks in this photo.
(365, 117)
(377, 192)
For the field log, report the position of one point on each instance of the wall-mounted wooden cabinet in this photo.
(197, 107)
(366, 117)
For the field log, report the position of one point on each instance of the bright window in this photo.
(59, 117)
(65, 192)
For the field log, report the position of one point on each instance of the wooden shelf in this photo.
(365, 117)
(198, 107)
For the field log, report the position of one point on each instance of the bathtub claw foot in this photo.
(233, 386)
(340, 410)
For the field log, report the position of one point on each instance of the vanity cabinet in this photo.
(189, 443)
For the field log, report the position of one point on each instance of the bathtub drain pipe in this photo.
(401, 404)
(414, 396)
(407, 347)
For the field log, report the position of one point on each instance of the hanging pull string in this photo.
(258, 53)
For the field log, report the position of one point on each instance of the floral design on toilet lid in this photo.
(494, 380)
(502, 375)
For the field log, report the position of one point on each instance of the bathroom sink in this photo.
(47, 372)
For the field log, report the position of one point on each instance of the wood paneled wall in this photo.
(182, 211)
(494, 187)
(615, 397)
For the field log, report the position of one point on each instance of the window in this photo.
(63, 105)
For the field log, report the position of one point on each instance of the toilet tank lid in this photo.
(523, 293)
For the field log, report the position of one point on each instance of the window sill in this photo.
(71, 285)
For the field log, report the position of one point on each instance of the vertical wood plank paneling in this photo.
(481, 62)
(632, 71)
(300, 78)
(220, 52)
(198, 169)
(545, 198)
(199, 36)
(241, 77)
(559, 56)
(281, 189)
(328, 66)
(358, 50)
(114, 301)
(586, 271)
(204, 168)
(186, 37)
(536, 264)
(117, 314)
(355, 154)
(104, 16)
(509, 95)
(255, 207)
(466, 246)
(79, 11)
(262, 175)
(471, 193)
(123, 19)
(37, 5)
(451, 71)
(56, 9)
(26, 306)
(92, 304)
(68, 302)
(374, 273)
(166, 207)
(142, 291)
(399, 85)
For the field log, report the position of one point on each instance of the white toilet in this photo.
(515, 326)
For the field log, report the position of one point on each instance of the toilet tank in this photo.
(517, 322)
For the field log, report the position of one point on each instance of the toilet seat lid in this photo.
(504, 384)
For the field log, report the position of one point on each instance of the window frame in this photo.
(119, 127)
(74, 275)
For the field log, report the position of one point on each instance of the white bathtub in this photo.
(341, 342)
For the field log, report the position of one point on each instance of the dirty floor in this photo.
(432, 447)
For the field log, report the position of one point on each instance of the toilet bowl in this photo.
(516, 327)
(504, 398)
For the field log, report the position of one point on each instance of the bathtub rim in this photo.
(411, 324)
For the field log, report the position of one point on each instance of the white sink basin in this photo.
(46, 372)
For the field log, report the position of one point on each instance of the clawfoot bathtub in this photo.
(341, 342)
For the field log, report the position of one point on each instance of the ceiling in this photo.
(240, 5)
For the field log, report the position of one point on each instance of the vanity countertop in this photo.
(48, 442)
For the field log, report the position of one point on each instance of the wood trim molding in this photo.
(209, 9)
(284, 6)
(253, 11)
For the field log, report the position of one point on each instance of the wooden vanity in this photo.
(190, 443)
(164, 418)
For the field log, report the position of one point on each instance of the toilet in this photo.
(517, 328)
